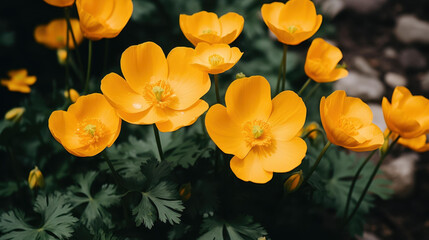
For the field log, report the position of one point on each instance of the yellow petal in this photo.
(282, 156)
(63, 126)
(356, 108)
(300, 13)
(231, 25)
(121, 96)
(142, 63)
(271, 13)
(225, 133)
(60, 3)
(249, 99)
(250, 168)
(288, 115)
(188, 83)
(202, 26)
(178, 119)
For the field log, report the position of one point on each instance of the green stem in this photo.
(216, 79)
(67, 60)
(315, 130)
(158, 142)
(116, 176)
(88, 70)
(304, 86)
(284, 66)
(362, 196)
(279, 79)
(312, 91)
(325, 148)
(355, 178)
(106, 54)
(79, 59)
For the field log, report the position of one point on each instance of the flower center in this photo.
(159, 93)
(216, 60)
(208, 31)
(292, 29)
(90, 131)
(257, 133)
(350, 125)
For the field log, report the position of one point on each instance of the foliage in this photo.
(57, 221)
(242, 228)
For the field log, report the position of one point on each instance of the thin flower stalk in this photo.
(158, 143)
(216, 80)
(304, 86)
(362, 196)
(88, 69)
(312, 91)
(285, 47)
(73, 37)
(319, 158)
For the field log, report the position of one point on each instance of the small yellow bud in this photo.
(14, 114)
(262, 238)
(62, 56)
(310, 127)
(74, 95)
(239, 75)
(293, 182)
(35, 179)
(185, 191)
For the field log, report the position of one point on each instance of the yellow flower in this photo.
(103, 20)
(348, 123)
(292, 22)
(417, 144)
(35, 179)
(260, 132)
(293, 182)
(407, 115)
(207, 27)
(14, 114)
(60, 3)
(322, 60)
(62, 56)
(19, 81)
(54, 34)
(74, 95)
(166, 92)
(87, 127)
(216, 58)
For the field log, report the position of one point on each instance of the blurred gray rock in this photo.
(363, 66)
(331, 7)
(364, 6)
(394, 79)
(390, 52)
(411, 29)
(378, 117)
(368, 236)
(401, 172)
(411, 58)
(424, 81)
(360, 85)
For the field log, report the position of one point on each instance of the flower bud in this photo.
(293, 182)
(15, 114)
(239, 75)
(35, 179)
(74, 95)
(62, 56)
(185, 191)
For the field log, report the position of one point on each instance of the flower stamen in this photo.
(257, 133)
(216, 60)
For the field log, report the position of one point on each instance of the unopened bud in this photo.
(185, 191)
(62, 56)
(239, 75)
(74, 95)
(14, 114)
(293, 182)
(35, 179)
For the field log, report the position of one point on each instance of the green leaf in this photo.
(242, 228)
(57, 221)
(158, 202)
(336, 171)
(96, 204)
(185, 151)
(8, 188)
